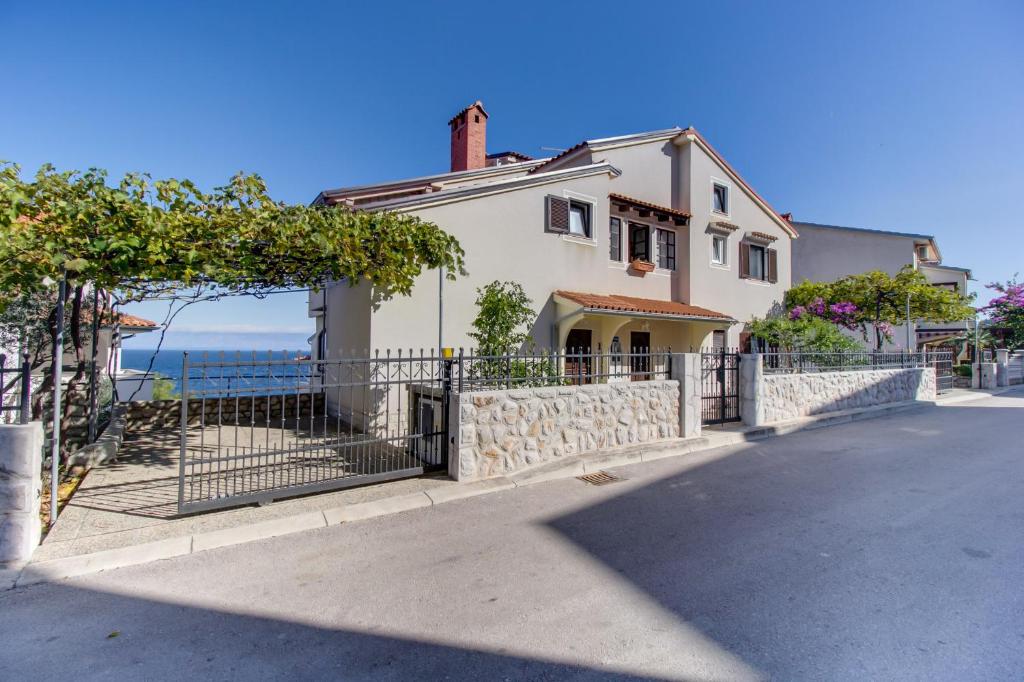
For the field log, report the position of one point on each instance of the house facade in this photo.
(650, 240)
(828, 252)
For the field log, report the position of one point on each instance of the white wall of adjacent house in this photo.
(824, 254)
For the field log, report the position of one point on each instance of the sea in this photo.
(168, 363)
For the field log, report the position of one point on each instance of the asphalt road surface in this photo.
(889, 549)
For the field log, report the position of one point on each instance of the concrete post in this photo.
(21, 483)
(751, 379)
(686, 370)
(1002, 367)
(987, 375)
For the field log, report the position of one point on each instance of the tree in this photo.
(1007, 311)
(802, 333)
(145, 239)
(879, 300)
(504, 316)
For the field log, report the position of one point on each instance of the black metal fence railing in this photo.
(255, 429)
(812, 361)
(15, 391)
(558, 368)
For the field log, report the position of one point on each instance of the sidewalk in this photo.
(123, 513)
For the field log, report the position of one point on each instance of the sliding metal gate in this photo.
(259, 428)
(720, 386)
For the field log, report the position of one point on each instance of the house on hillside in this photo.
(828, 252)
(638, 241)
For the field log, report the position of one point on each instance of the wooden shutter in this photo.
(556, 214)
(773, 266)
(744, 260)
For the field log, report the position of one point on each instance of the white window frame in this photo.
(724, 263)
(728, 196)
(584, 199)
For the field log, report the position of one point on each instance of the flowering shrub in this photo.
(1007, 310)
(843, 313)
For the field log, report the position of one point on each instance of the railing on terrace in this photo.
(558, 368)
(812, 361)
(15, 390)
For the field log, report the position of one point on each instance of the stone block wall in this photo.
(21, 483)
(769, 398)
(500, 432)
(161, 414)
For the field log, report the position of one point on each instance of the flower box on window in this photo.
(641, 266)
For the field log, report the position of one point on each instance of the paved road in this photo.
(889, 549)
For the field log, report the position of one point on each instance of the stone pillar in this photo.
(751, 379)
(987, 375)
(686, 370)
(1002, 367)
(21, 484)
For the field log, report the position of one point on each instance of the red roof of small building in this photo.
(632, 304)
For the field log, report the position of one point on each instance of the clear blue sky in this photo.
(903, 116)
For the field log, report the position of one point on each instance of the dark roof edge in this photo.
(870, 230)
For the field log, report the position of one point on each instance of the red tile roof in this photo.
(127, 320)
(632, 304)
(653, 207)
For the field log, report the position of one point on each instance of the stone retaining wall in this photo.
(159, 414)
(499, 432)
(769, 398)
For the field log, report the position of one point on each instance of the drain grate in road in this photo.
(599, 478)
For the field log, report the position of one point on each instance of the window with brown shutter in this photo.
(556, 214)
(773, 266)
(744, 260)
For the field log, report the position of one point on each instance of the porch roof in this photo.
(642, 306)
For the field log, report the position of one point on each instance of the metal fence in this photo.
(720, 386)
(811, 361)
(15, 391)
(472, 371)
(255, 429)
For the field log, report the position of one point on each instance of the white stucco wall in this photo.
(504, 239)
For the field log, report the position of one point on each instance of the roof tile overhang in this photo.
(663, 213)
(642, 306)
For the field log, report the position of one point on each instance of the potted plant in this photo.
(641, 266)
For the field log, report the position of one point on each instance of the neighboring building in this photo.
(828, 252)
(644, 240)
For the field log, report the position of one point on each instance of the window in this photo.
(579, 218)
(922, 252)
(756, 262)
(720, 198)
(666, 249)
(615, 240)
(567, 216)
(639, 248)
(718, 338)
(718, 249)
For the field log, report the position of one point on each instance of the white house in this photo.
(828, 252)
(644, 240)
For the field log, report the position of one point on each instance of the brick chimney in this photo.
(469, 138)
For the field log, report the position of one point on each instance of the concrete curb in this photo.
(58, 569)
